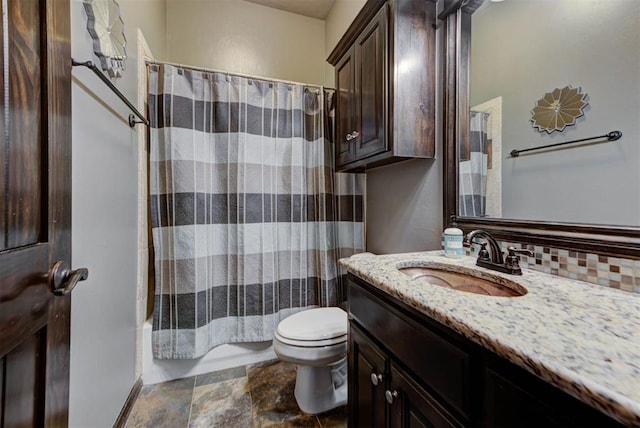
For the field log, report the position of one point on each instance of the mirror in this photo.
(503, 59)
(577, 62)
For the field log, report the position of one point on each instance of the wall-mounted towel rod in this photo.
(97, 72)
(611, 136)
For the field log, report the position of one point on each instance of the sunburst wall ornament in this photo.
(106, 27)
(558, 109)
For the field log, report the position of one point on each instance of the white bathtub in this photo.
(219, 358)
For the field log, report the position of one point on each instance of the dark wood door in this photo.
(508, 404)
(411, 407)
(345, 109)
(371, 80)
(35, 220)
(367, 380)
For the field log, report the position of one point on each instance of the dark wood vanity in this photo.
(385, 85)
(406, 370)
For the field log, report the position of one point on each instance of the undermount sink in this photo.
(463, 282)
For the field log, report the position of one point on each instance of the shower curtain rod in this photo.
(247, 76)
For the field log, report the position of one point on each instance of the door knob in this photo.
(63, 279)
(390, 396)
(376, 378)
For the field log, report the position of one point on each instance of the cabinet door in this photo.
(411, 406)
(508, 404)
(371, 84)
(367, 379)
(345, 109)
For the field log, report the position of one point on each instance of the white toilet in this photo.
(316, 340)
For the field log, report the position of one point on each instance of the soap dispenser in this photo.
(452, 240)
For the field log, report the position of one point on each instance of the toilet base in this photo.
(319, 389)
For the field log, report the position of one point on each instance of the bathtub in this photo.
(219, 358)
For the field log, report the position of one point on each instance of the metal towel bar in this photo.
(132, 119)
(611, 136)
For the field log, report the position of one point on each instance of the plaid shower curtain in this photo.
(349, 189)
(473, 172)
(243, 208)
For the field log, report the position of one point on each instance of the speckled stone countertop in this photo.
(582, 338)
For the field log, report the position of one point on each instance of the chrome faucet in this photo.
(494, 260)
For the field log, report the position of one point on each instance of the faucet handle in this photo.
(483, 254)
(513, 251)
(512, 260)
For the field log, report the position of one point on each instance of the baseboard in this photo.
(128, 405)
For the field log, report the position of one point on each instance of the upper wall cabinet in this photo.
(385, 85)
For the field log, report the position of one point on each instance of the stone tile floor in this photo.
(258, 395)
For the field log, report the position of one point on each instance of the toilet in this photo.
(316, 341)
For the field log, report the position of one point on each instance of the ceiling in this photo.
(313, 8)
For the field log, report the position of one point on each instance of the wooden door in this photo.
(367, 380)
(345, 109)
(35, 220)
(371, 83)
(410, 406)
(508, 404)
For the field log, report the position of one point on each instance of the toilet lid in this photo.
(314, 324)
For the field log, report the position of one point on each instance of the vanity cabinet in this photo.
(406, 369)
(383, 394)
(370, 371)
(385, 85)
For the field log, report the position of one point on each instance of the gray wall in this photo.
(404, 207)
(104, 221)
(522, 49)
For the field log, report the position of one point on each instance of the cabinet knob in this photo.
(349, 137)
(376, 378)
(355, 134)
(390, 396)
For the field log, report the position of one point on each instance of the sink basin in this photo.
(463, 282)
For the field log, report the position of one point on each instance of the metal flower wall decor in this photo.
(558, 109)
(106, 27)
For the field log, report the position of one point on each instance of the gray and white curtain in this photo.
(244, 214)
(473, 172)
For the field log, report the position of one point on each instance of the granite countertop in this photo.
(582, 338)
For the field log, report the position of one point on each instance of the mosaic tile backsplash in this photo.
(614, 272)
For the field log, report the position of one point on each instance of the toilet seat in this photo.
(311, 343)
(314, 327)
